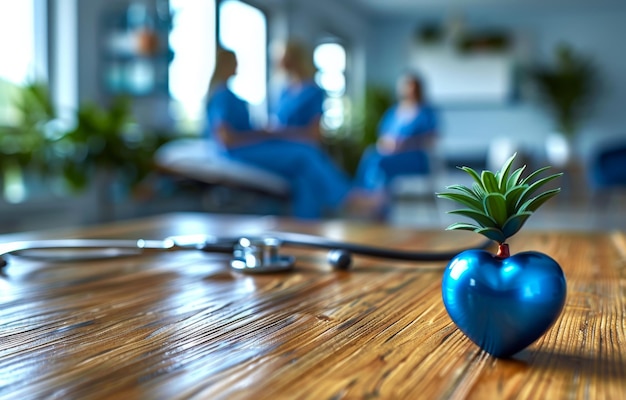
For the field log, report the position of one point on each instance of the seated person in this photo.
(406, 134)
(316, 183)
(299, 106)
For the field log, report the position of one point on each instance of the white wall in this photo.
(598, 32)
(89, 19)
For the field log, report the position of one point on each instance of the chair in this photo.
(200, 161)
(412, 179)
(608, 166)
(607, 172)
(416, 162)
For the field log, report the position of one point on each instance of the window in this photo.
(243, 29)
(192, 40)
(21, 47)
(330, 60)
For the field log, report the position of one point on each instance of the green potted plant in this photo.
(567, 88)
(24, 144)
(105, 148)
(361, 128)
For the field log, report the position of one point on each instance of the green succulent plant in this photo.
(499, 203)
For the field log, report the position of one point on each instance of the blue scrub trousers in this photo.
(377, 170)
(316, 182)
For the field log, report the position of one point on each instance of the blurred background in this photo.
(90, 90)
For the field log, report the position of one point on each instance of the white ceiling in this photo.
(415, 6)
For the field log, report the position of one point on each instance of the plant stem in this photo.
(503, 251)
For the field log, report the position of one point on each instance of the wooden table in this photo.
(181, 325)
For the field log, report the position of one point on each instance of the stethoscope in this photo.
(249, 254)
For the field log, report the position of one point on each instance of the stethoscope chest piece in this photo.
(260, 256)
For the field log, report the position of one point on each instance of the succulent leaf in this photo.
(500, 203)
(495, 206)
(492, 233)
(465, 190)
(463, 199)
(514, 178)
(483, 220)
(512, 197)
(490, 183)
(479, 190)
(533, 204)
(533, 188)
(504, 173)
(533, 175)
(462, 226)
(515, 223)
(474, 175)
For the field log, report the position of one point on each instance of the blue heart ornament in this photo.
(503, 304)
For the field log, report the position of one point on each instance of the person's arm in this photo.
(393, 145)
(423, 141)
(387, 142)
(424, 132)
(224, 116)
(310, 104)
(314, 131)
(232, 139)
(310, 133)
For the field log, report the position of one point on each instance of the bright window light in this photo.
(243, 29)
(19, 64)
(330, 60)
(17, 30)
(193, 41)
(334, 82)
(330, 56)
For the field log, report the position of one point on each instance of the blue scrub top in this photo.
(425, 121)
(299, 106)
(225, 108)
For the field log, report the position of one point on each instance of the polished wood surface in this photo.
(181, 325)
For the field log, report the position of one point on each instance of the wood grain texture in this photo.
(181, 325)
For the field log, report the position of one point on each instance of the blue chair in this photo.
(607, 173)
(416, 162)
(608, 167)
(411, 179)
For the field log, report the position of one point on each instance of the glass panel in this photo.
(192, 40)
(243, 29)
(330, 56)
(330, 60)
(17, 30)
(334, 82)
(17, 46)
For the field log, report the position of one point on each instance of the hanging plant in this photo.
(502, 302)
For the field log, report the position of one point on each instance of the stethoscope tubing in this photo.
(113, 248)
(312, 241)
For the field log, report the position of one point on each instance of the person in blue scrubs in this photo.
(406, 134)
(317, 184)
(299, 106)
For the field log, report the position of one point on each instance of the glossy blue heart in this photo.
(503, 305)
